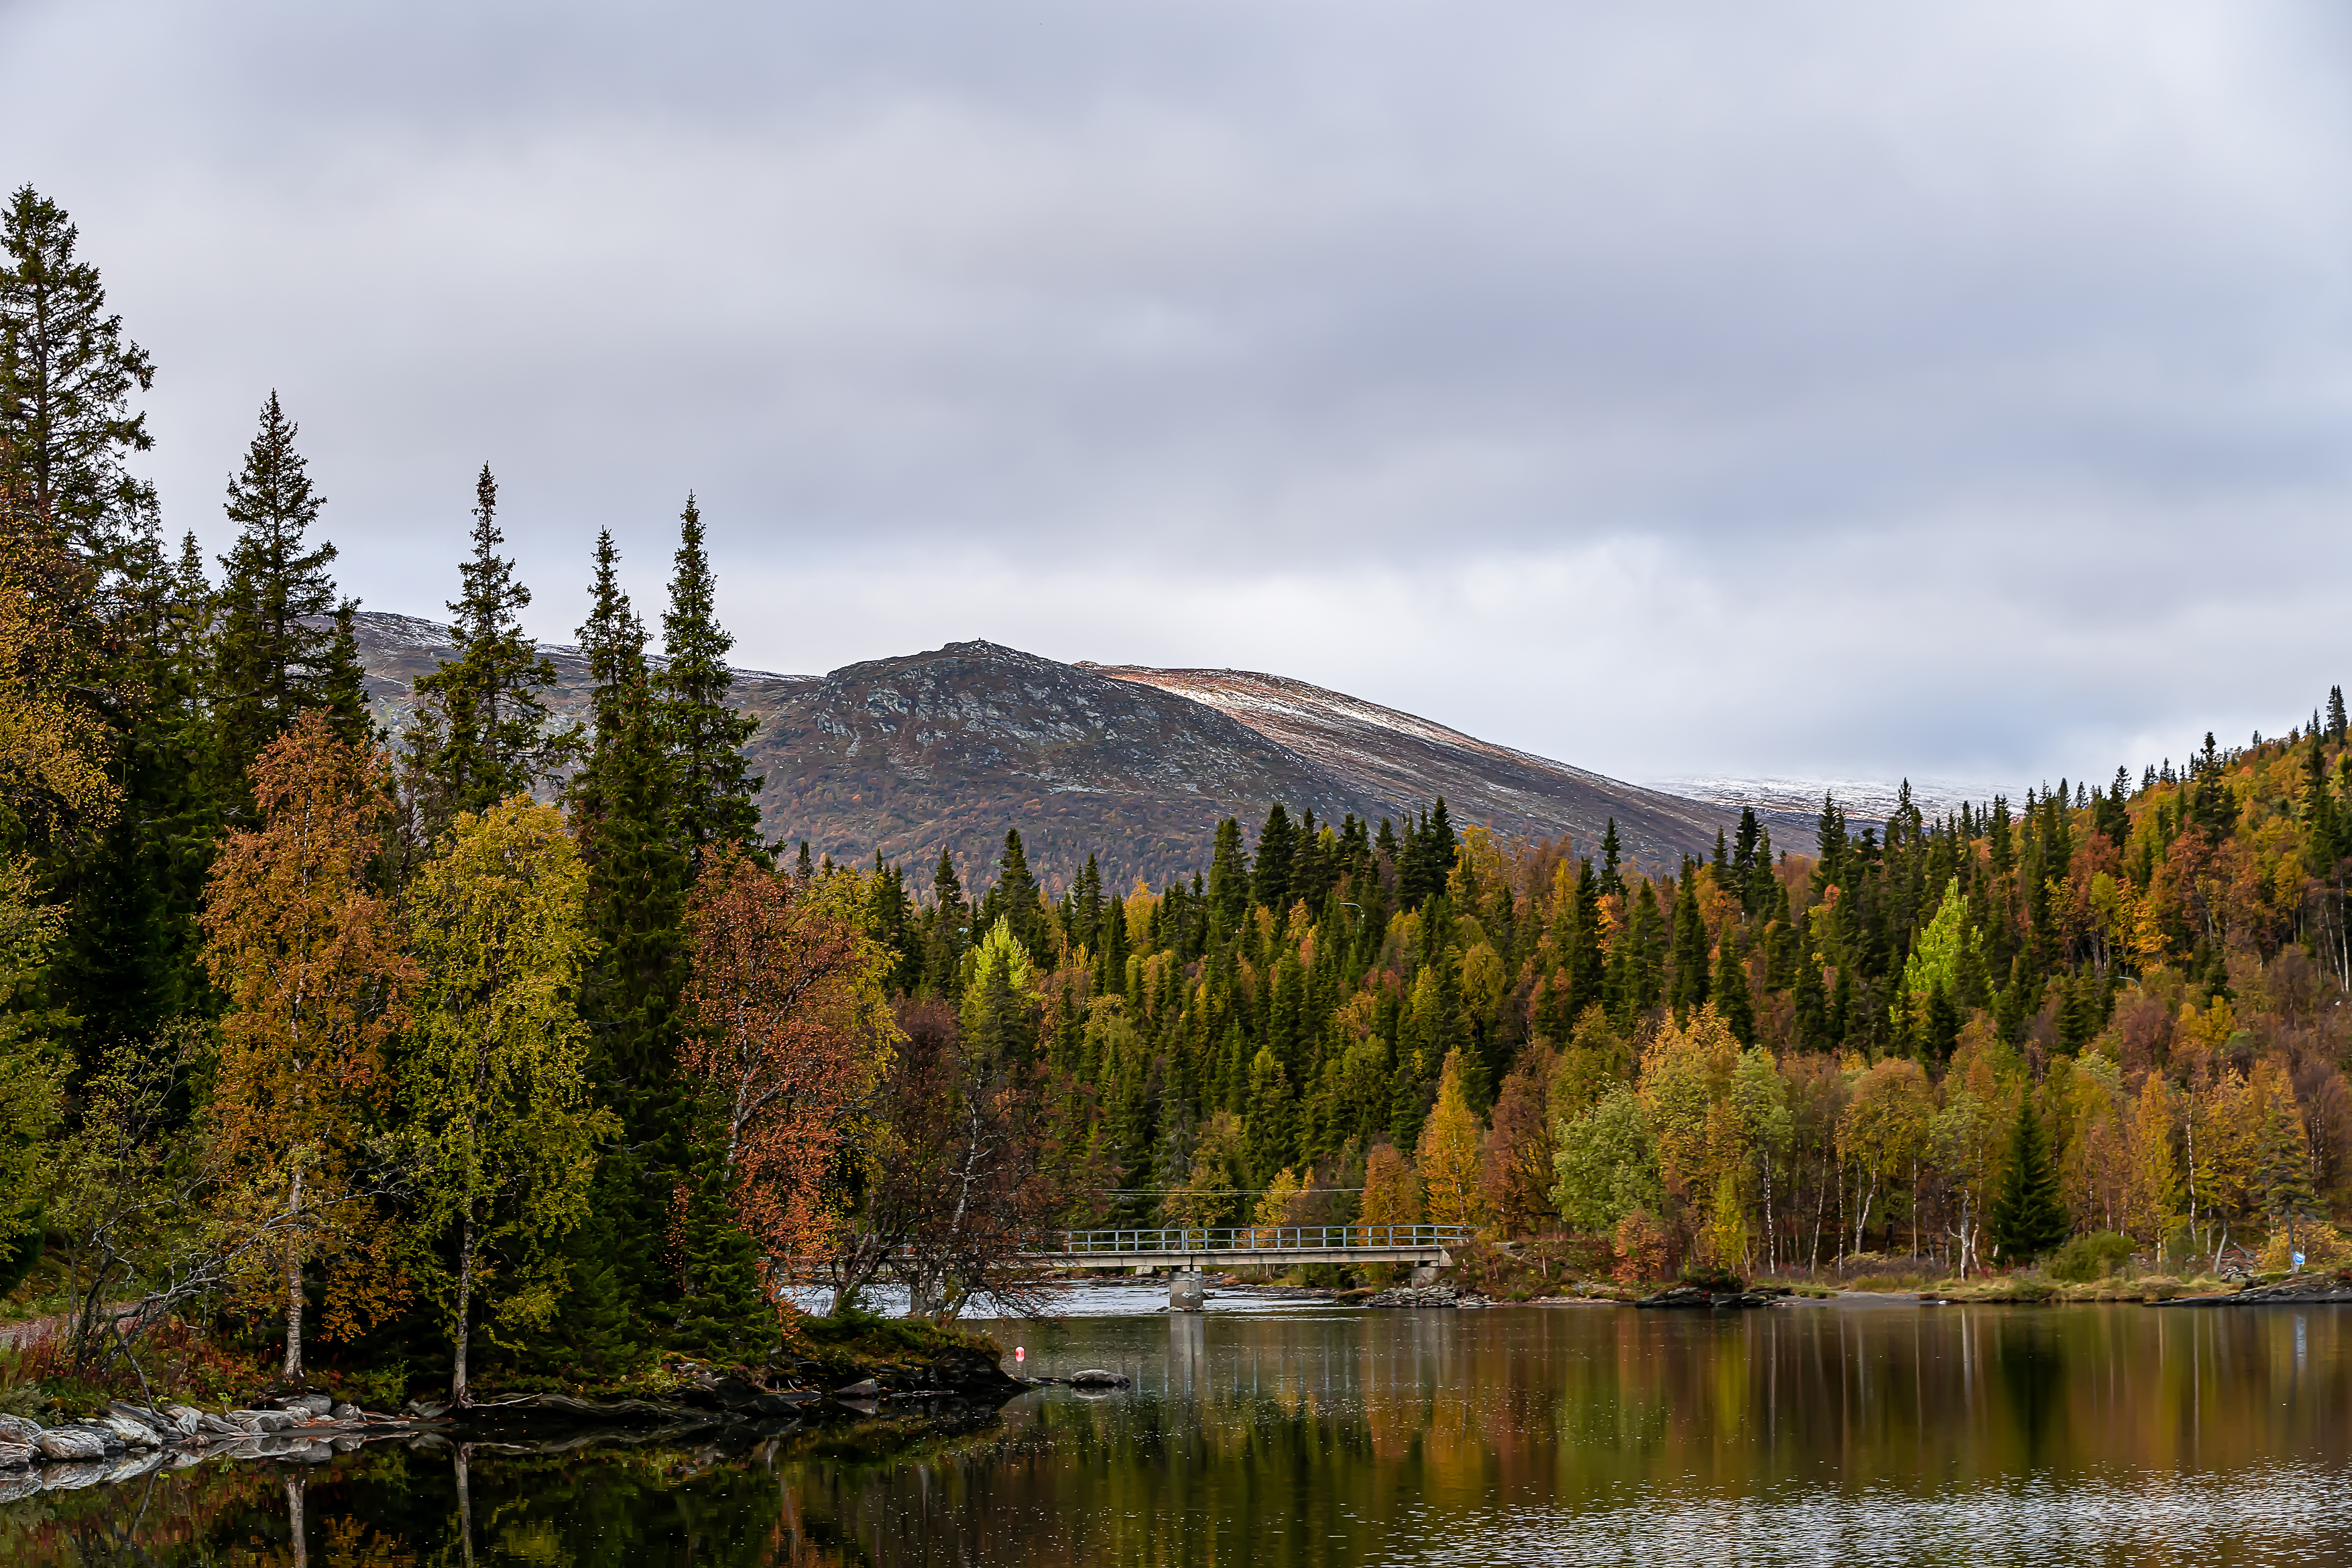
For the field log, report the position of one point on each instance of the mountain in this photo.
(949, 747)
(1397, 762)
(1795, 804)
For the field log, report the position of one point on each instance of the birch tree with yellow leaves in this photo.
(495, 1085)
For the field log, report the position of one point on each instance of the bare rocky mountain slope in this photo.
(949, 747)
(1399, 761)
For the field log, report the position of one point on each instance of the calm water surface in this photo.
(1304, 1436)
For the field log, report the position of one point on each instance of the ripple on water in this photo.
(2277, 1514)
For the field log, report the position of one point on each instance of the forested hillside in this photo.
(516, 1052)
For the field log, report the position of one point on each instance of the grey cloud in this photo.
(1689, 387)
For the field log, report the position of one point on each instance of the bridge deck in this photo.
(1228, 1247)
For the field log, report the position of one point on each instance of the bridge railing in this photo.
(1248, 1239)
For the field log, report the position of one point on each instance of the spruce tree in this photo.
(2321, 821)
(1443, 842)
(1611, 881)
(129, 957)
(274, 652)
(718, 796)
(1732, 1001)
(1015, 893)
(2028, 1218)
(1276, 853)
(66, 376)
(621, 804)
(344, 695)
(480, 732)
(1690, 947)
(1229, 881)
(2283, 1170)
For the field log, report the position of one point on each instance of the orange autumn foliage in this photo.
(790, 1036)
(310, 962)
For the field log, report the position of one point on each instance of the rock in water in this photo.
(1687, 1297)
(133, 1432)
(1098, 1377)
(865, 1388)
(71, 1443)
(1429, 1296)
(15, 1455)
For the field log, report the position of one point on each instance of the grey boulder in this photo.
(133, 1432)
(71, 1443)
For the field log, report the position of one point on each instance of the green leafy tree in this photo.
(495, 1088)
(1607, 1163)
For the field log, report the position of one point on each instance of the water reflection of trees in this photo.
(1343, 1440)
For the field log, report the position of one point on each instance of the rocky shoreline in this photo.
(2317, 1290)
(126, 1441)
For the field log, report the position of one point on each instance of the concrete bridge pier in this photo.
(1424, 1275)
(1184, 1292)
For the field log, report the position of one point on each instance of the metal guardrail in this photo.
(1249, 1238)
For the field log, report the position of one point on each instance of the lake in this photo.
(1274, 1435)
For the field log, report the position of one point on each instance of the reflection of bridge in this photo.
(1183, 1252)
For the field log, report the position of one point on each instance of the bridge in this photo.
(1183, 1252)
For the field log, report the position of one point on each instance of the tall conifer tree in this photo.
(480, 732)
(717, 796)
(66, 376)
(1275, 852)
(621, 804)
(2028, 1216)
(275, 654)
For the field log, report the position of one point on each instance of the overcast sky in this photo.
(1851, 389)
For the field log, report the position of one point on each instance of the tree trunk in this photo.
(294, 1287)
(457, 1394)
(294, 1528)
(466, 1500)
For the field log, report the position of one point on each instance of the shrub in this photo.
(1641, 1249)
(2098, 1256)
(1712, 1276)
